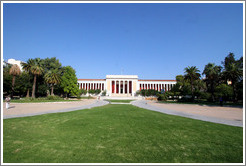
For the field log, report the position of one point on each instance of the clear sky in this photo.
(153, 41)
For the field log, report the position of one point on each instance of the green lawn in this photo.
(118, 134)
(120, 101)
(43, 99)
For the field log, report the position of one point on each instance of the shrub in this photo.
(148, 92)
(83, 91)
(186, 98)
(137, 92)
(91, 91)
(97, 91)
(162, 97)
(53, 97)
(104, 93)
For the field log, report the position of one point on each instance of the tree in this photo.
(7, 80)
(225, 91)
(212, 73)
(34, 67)
(182, 87)
(192, 74)
(233, 71)
(51, 64)
(69, 81)
(23, 84)
(14, 71)
(52, 77)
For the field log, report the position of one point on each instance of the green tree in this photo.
(23, 84)
(233, 71)
(7, 78)
(225, 91)
(192, 74)
(51, 64)
(212, 73)
(52, 77)
(182, 87)
(14, 71)
(33, 66)
(69, 81)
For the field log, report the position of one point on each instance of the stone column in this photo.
(132, 87)
(114, 86)
(127, 87)
(119, 87)
(123, 86)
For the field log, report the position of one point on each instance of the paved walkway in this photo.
(31, 109)
(223, 115)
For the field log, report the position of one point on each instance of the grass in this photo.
(44, 99)
(119, 134)
(120, 101)
(204, 103)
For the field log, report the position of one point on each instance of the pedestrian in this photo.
(221, 101)
(7, 101)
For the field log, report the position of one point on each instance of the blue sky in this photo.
(153, 41)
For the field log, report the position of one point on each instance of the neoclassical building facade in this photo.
(124, 85)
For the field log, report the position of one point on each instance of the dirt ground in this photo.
(231, 113)
(27, 108)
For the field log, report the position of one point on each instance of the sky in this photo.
(153, 41)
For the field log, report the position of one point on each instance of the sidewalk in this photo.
(31, 109)
(222, 115)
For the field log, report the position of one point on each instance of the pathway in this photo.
(222, 115)
(31, 109)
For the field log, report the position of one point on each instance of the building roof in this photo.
(138, 80)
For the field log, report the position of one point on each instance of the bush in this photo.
(148, 92)
(83, 91)
(91, 91)
(97, 91)
(186, 99)
(162, 97)
(53, 97)
(104, 93)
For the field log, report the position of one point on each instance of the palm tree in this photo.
(233, 71)
(52, 77)
(14, 71)
(212, 73)
(192, 74)
(34, 67)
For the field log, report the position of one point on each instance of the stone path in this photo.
(31, 109)
(210, 114)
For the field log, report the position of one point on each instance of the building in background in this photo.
(17, 62)
(124, 85)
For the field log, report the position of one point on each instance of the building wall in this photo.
(134, 84)
(17, 62)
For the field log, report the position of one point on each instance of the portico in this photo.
(121, 85)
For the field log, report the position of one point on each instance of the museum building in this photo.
(124, 85)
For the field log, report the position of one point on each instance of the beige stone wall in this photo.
(134, 86)
(108, 86)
